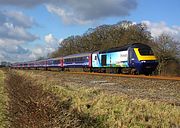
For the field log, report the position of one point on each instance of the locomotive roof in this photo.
(77, 55)
(126, 47)
(58, 58)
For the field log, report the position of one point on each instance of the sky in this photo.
(30, 29)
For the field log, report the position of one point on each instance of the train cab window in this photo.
(146, 52)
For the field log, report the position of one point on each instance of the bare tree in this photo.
(104, 37)
(167, 51)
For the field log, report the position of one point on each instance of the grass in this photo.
(30, 106)
(118, 110)
(3, 99)
(101, 108)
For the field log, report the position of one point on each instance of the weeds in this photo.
(35, 102)
(3, 102)
(118, 111)
(32, 107)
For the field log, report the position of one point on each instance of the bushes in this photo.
(32, 107)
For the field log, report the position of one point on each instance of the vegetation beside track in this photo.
(31, 106)
(3, 102)
(36, 100)
(98, 108)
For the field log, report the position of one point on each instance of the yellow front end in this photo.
(143, 57)
(146, 62)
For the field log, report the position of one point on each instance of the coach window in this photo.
(57, 61)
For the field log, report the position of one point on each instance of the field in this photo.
(118, 102)
(3, 98)
(85, 101)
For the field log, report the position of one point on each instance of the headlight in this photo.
(143, 61)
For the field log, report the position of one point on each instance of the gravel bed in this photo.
(151, 89)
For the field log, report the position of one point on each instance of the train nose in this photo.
(148, 66)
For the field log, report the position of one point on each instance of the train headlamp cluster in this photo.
(143, 61)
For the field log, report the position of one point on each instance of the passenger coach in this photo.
(82, 60)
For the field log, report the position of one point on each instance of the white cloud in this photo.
(159, 28)
(10, 31)
(14, 35)
(15, 25)
(22, 3)
(50, 38)
(18, 18)
(14, 53)
(79, 11)
(52, 43)
(67, 17)
(85, 11)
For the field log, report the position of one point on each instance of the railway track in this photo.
(129, 76)
(173, 78)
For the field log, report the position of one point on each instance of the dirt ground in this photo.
(151, 89)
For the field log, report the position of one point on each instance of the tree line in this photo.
(104, 37)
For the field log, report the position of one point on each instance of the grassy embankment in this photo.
(118, 110)
(3, 100)
(38, 102)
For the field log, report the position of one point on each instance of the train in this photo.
(134, 58)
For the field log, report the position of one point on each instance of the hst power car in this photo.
(135, 59)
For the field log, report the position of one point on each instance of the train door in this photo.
(96, 58)
(131, 57)
(103, 60)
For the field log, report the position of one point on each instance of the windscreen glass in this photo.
(146, 51)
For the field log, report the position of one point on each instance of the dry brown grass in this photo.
(3, 101)
(38, 101)
(32, 107)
